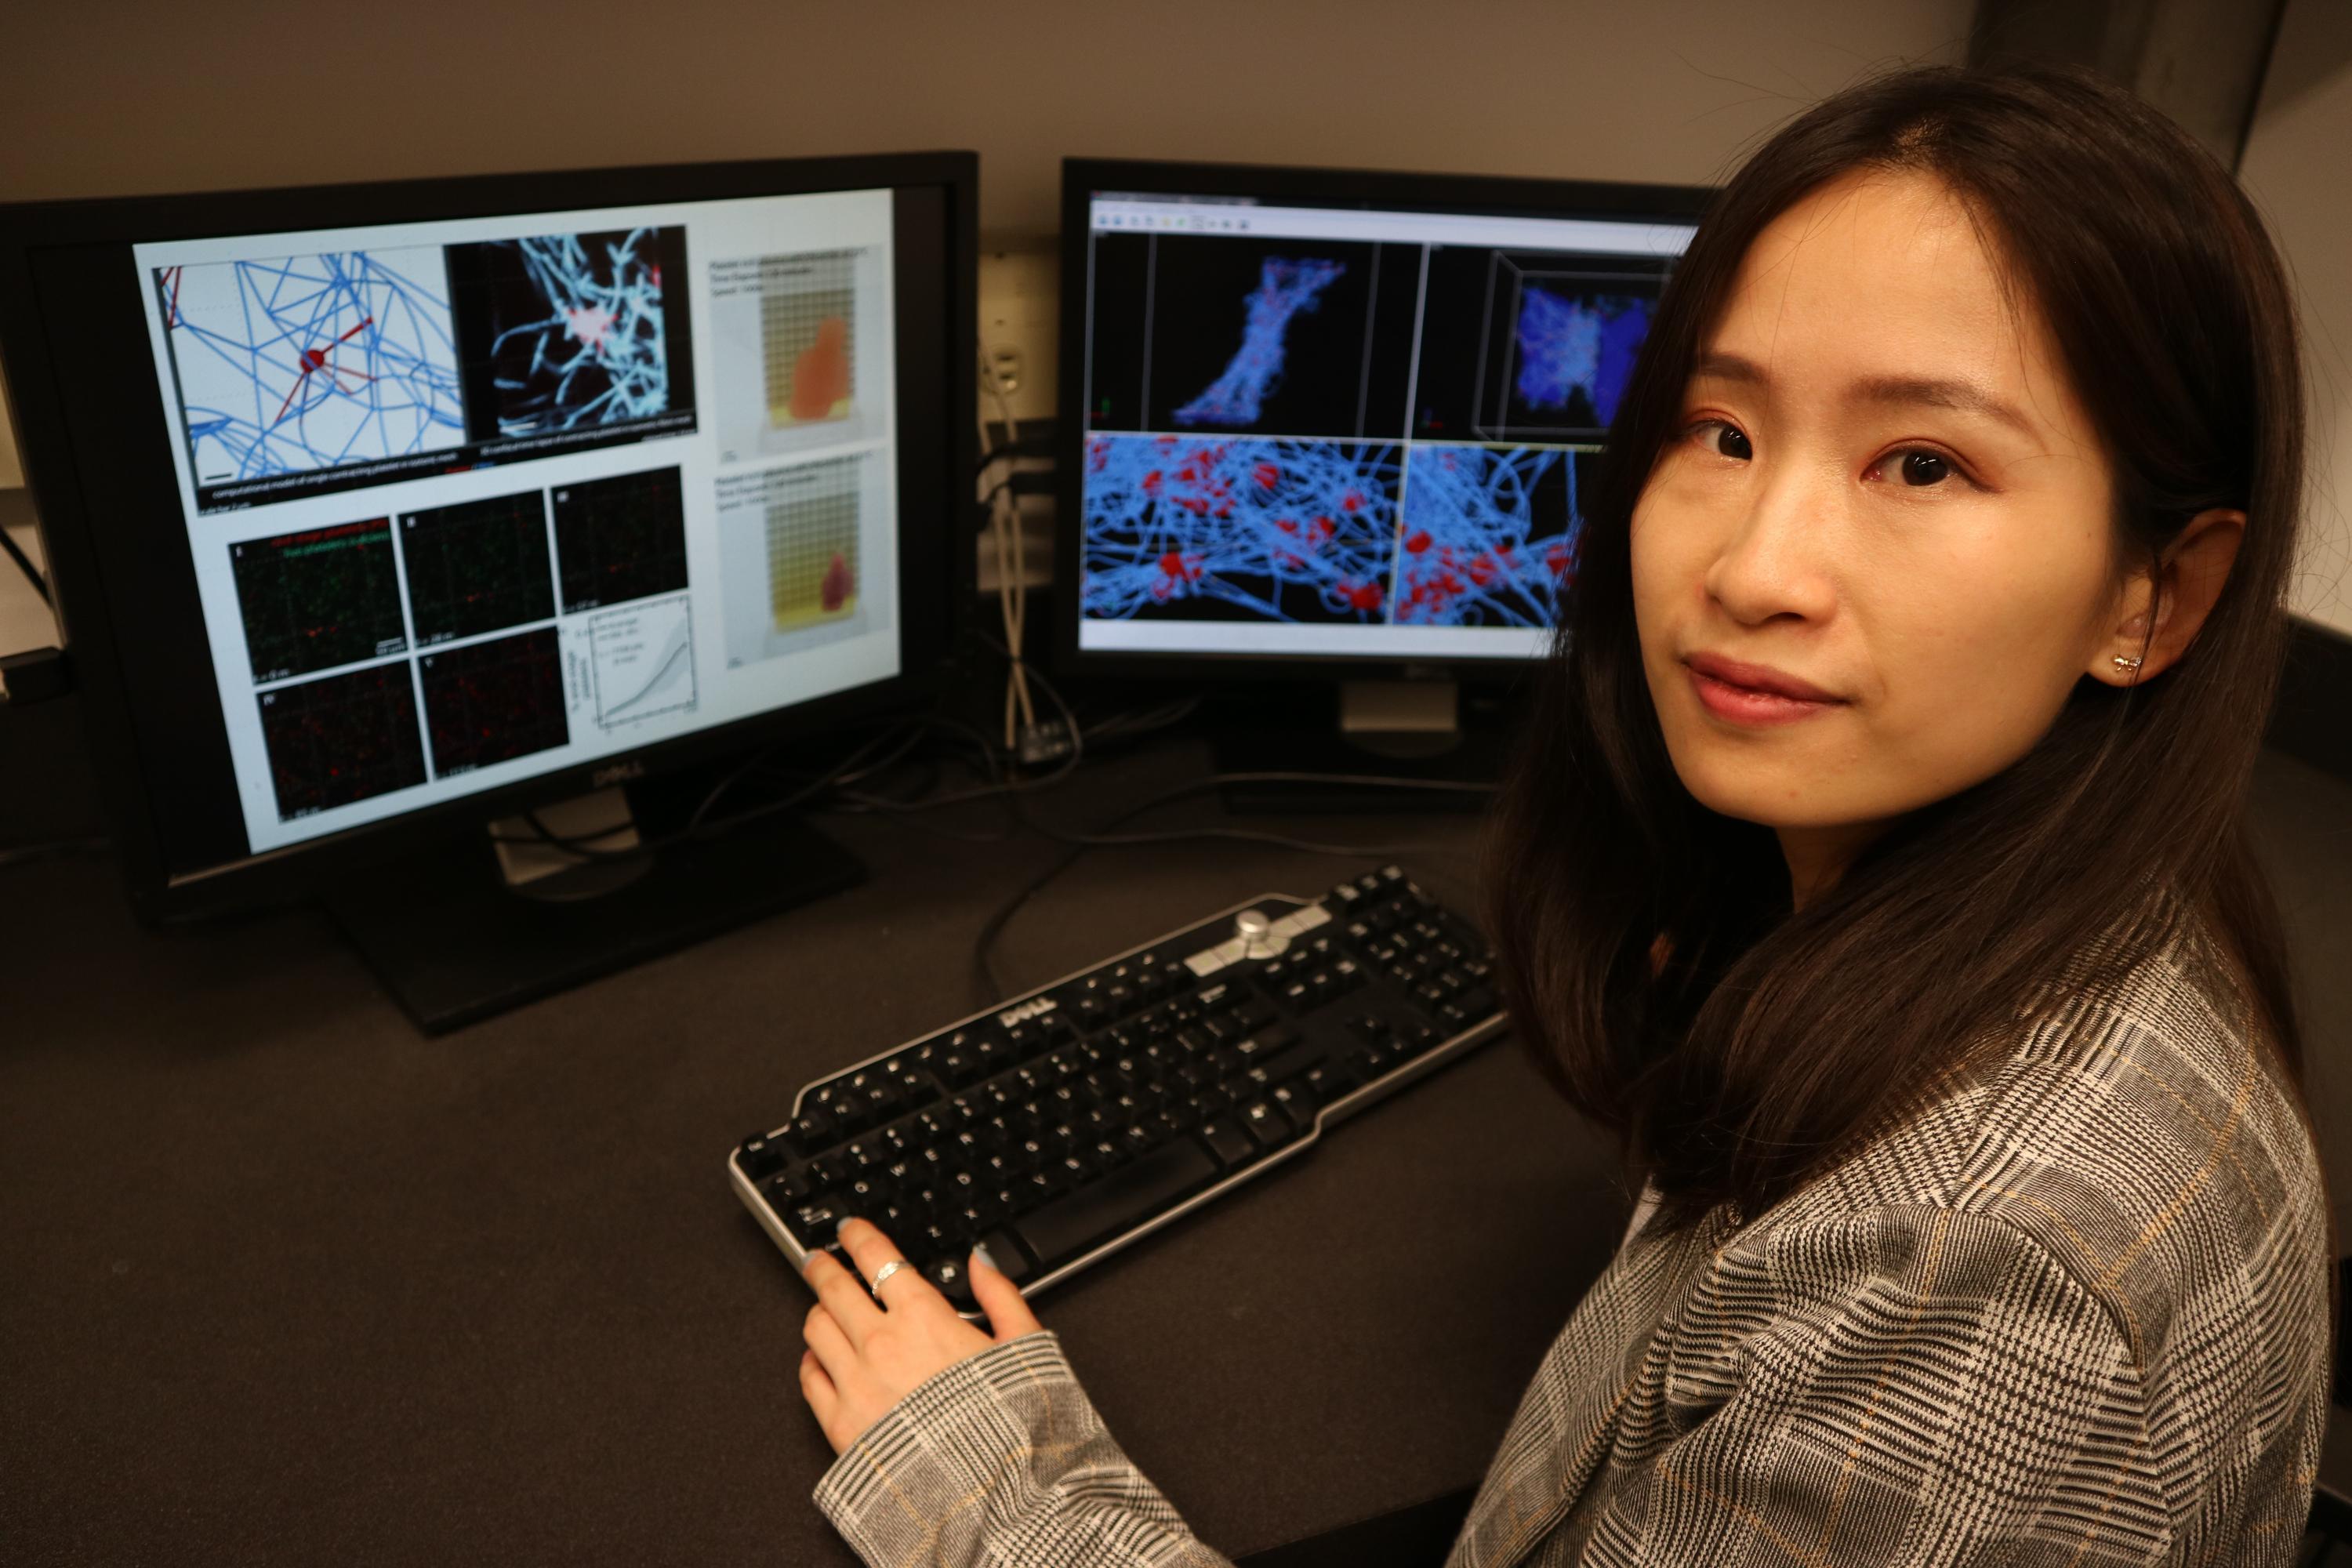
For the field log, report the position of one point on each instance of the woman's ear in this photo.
(2182, 590)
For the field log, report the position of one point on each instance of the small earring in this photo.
(2125, 665)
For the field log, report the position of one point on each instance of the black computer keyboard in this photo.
(1063, 1125)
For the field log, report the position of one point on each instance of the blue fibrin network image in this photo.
(311, 362)
(1283, 530)
(1285, 288)
(599, 355)
(1476, 550)
(1566, 344)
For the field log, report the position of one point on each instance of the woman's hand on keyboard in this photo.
(863, 1359)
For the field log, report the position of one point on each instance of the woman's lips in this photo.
(1753, 694)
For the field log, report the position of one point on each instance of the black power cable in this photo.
(24, 565)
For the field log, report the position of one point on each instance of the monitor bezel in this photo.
(935, 585)
(1082, 178)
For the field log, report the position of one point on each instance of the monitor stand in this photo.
(478, 926)
(1396, 728)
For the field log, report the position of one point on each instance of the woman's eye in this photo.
(1919, 468)
(1723, 440)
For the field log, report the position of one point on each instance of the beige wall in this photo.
(114, 97)
(2294, 165)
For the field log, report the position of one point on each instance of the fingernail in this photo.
(841, 1224)
(980, 1255)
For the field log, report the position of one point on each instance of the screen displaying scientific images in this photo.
(478, 566)
(799, 341)
(1347, 431)
(323, 597)
(620, 539)
(793, 546)
(486, 702)
(340, 738)
(456, 501)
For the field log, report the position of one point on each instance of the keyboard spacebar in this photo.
(1069, 1225)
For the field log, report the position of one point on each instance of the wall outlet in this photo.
(1019, 304)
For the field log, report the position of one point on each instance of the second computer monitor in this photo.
(1339, 418)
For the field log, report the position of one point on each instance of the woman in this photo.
(1873, 868)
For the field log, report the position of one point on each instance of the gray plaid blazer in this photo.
(2074, 1312)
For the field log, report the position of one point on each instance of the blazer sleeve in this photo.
(1911, 1386)
(1001, 1460)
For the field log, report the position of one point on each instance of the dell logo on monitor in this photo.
(617, 773)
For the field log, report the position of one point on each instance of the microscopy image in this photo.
(477, 566)
(620, 539)
(489, 701)
(312, 600)
(571, 331)
(341, 738)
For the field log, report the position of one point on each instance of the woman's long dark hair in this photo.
(1760, 1045)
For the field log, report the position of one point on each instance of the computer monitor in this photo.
(1335, 423)
(380, 510)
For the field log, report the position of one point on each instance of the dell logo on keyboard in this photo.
(1029, 1009)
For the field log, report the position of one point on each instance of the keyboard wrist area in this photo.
(960, 1462)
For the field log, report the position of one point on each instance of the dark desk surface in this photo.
(282, 1279)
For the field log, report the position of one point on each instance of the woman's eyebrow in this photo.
(1932, 391)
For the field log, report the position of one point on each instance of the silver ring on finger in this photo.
(885, 1272)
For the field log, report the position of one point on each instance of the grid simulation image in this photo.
(812, 528)
(1488, 535)
(477, 566)
(808, 321)
(489, 701)
(620, 539)
(322, 598)
(340, 738)
(304, 362)
(566, 332)
(1200, 529)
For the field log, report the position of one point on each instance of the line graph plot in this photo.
(305, 363)
(642, 659)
